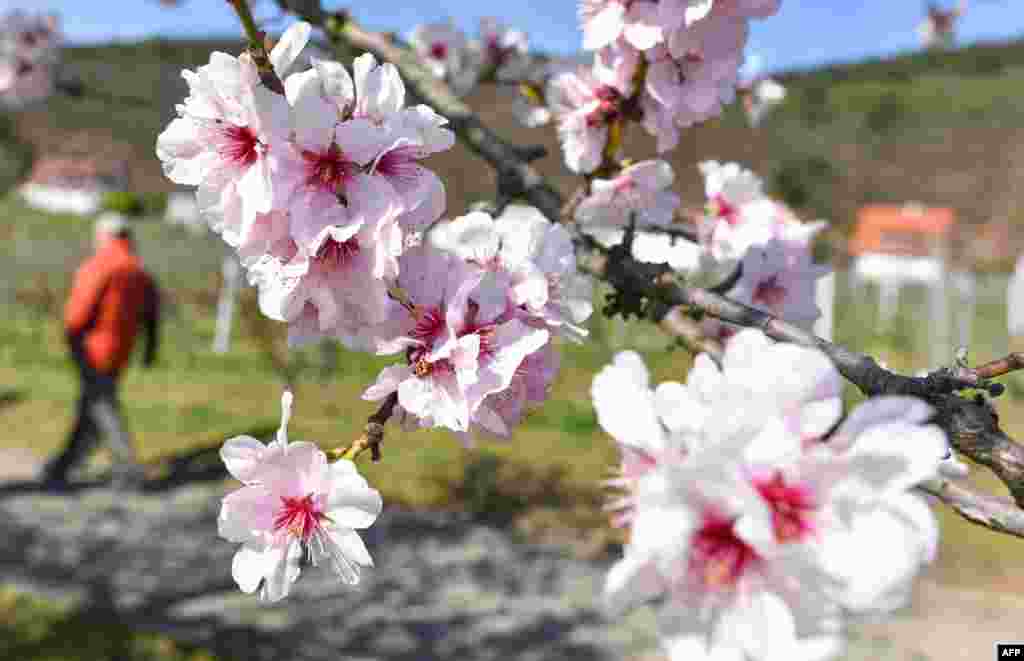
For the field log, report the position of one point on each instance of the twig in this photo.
(373, 433)
(257, 47)
(688, 331)
(998, 514)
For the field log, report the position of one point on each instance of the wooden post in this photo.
(232, 272)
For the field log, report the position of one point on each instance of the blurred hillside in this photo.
(939, 128)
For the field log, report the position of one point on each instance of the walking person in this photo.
(111, 297)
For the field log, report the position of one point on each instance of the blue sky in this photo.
(804, 33)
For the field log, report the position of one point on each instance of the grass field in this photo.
(545, 481)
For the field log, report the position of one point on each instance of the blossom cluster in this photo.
(475, 313)
(500, 53)
(321, 192)
(755, 535)
(672, 62)
(743, 228)
(319, 189)
(29, 57)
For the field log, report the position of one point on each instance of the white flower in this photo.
(751, 527)
(293, 502)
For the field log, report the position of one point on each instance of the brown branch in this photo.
(676, 324)
(997, 514)
(1001, 367)
(373, 433)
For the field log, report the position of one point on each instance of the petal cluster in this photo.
(319, 189)
(293, 505)
(474, 315)
(672, 63)
(753, 523)
(742, 227)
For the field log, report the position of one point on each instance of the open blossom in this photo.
(293, 503)
(696, 68)
(528, 257)
(605, 21)
(226, 130)
(753, 532)
(640, 192)
(585, 104)
(445, 50)
(460, 339)
(781, 281)
(503, 49)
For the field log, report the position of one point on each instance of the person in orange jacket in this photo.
(111, 297)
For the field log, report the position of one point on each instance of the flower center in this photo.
(328, 170)
(336, 254)
(439, 50)
(721, 208)
(607, 108)
(300, 517)
(429, 324)
(719, 558)
(241, 145)
(769, 292)
(792, 506)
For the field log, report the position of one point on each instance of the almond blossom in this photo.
(781, 281)
(445, 50)
(528, 257)
(502, 50)
(293, 503)
(228, 134)
(585, 104)
(751, 530)
(460, 340)
(604, 21)
(639, 193)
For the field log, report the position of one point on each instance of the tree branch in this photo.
(998, 514)
(373, 433)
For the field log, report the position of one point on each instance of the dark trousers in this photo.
(97, 414)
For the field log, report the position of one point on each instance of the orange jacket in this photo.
(111, 295)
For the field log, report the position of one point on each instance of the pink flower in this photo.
(292, 503)
(639, 192)
(531, 383)
(781, 281)
(227, 137)
(529, 259)
(605, 21)
(442, 46)
(503, 49)
(585, 103)
(338, 291)
(323, 173)
(461, 344)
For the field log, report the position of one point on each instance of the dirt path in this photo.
(949, 623)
